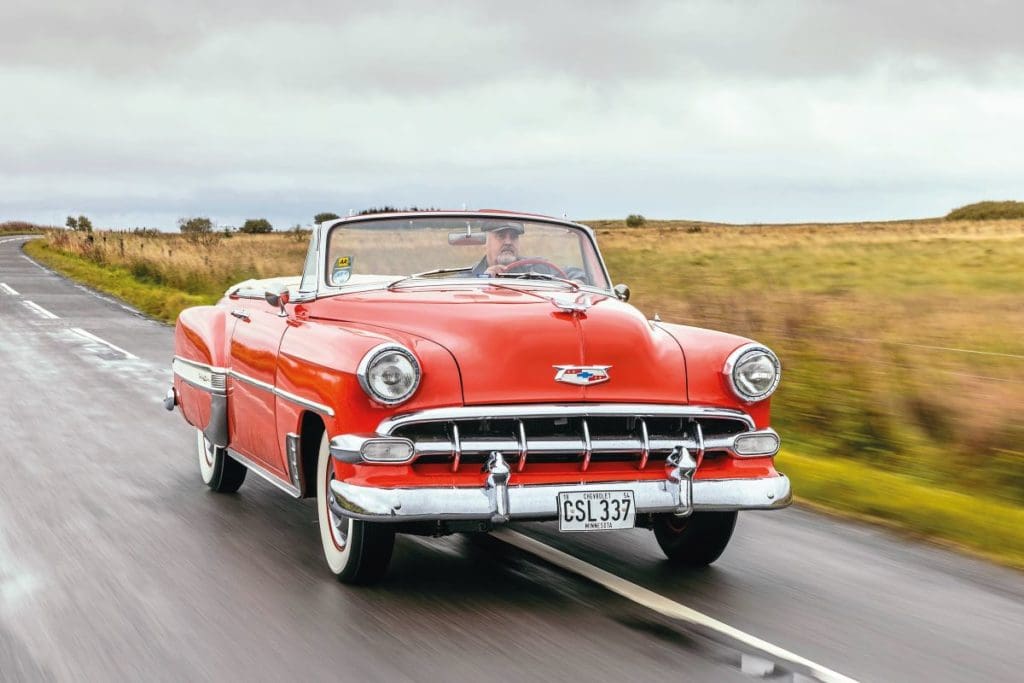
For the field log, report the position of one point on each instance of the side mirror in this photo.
(622, 292)
(278, 298)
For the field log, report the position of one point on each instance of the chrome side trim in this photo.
(209, 378)
(388, 425)
(292, 491)
(286, 395)
(540, 502)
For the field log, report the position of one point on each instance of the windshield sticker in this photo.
(342, 270)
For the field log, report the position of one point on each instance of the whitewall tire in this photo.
(220, 471)
(356, 551)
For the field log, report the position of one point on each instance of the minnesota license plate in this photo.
(596, 510)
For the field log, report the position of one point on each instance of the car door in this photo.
(251, 401)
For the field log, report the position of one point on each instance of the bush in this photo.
(985, 211)
(256, 226)
(325, 216)
(198, 230)
(635, 220)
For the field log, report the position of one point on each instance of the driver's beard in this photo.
(507, 257)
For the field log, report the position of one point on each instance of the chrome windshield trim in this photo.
(544, 410)
(322, 230)
(281, 393)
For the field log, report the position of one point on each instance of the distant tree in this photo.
(84, 224)
(72, 223)
(256, 226)
(635, 220)
(298, 233)
(325, 216)
(198, 229)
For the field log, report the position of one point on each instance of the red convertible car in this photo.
(441, 372)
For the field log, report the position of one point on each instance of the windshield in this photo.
(461, 247)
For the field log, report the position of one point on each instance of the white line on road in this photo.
(659, 603)
(92, 337)
(35, 264)
(39, 310)
(7, 289)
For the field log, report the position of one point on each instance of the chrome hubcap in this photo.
(208, 452)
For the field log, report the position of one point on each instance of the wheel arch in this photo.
(311, 430)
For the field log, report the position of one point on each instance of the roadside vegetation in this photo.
(20, 228)
(903, 359)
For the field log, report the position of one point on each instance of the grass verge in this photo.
(991, 528)
(853, 487)
(159, 301)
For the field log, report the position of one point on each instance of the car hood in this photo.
(508, 340)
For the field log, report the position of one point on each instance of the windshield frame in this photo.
(322, 235)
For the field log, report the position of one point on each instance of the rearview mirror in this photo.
(622, 292)
(462, 239)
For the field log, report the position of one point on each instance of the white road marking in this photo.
(35, 264)
(39, 310)
(109, 300)
(92, 337)
(7, 289)
(659, 603)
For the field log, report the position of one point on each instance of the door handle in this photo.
(241, 314)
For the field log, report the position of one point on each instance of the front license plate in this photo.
(596, 510)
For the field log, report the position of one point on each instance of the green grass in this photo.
(903, 361)
(984, 211)
(160, 301)
(991, 528)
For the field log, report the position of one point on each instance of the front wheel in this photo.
(220, 471)
(694, 541)
(356, 551)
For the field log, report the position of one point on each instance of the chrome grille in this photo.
(565, 434)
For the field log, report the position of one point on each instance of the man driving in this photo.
(502, 248)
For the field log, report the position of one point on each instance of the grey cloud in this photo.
(401, 46)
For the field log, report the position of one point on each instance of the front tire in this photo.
(694, 541)
(220, 471)
(356, 551)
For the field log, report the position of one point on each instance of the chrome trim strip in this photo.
(588, 447)
(265, 474)
(351, 445)
(209, 378)
(457, 448)
(540, 502)
(645, 453)
(287, 395)
(544, 410)
(305, 402)
(523, 449)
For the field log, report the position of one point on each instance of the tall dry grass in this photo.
(902, 343)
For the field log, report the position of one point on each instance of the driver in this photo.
(502, 248)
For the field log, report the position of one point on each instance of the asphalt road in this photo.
(116, 563)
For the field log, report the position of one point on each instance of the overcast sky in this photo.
(137, 113)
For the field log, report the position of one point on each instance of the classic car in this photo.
(442, 372)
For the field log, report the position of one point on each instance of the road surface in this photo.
(116, 563)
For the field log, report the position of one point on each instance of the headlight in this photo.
(753, 371)
(389, 373)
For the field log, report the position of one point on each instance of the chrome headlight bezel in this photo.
(742, 356)
(375, 355)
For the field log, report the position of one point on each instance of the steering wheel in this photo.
(526, 265)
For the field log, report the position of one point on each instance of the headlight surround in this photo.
(389, 374)
(753, 372)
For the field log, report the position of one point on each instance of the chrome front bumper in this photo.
(500, 504)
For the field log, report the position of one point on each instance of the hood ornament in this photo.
(582, 375)
(570, 303)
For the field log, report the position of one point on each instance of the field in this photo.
(901, 342)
